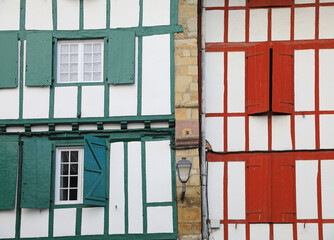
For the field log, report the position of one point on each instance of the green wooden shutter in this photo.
(8, 174)
(95, 171)
(8, 60)
(36, 174)
(121, 57)
(39, 59)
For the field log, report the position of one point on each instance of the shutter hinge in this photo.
(253, 166)
(256, 212)
(254, 55)
(287, 165)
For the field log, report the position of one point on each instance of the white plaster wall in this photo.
(135, 125)
(258, 133)
(259, 231)
(156, 75)
(135, 205)
(7, 223)
(305, 131)
(236, 232)
(124, 13)
(36, 102)
(236, 190)
(258, 25)
(95, 14)
(87, 127)
(63, 127)
(214, 3)
(327, 189)
(236, 82)
(326, 131)
(68, 12)
(42, 9)
(216, 190)
(92, 221)
(280, 24)
(306, 189)
(64, 222)
(217, 234)
(214, 79)
(40, 128)
(325, 1)
(10, 15)
(112, 126)
(92, 103)
(34, 223)
(309, 231)
(236, 3)
(236, 25)
(159, 125)
(304, 23)
(160, 219)
(281, 133)
(283, 232)
(15, 129)
(236, 134)
(304, 1)
(65, 102)
(156, 12)
(116, 189)
(158, 172)
(326, 76)
(9, 102)
(214, 132)
(304, 80)
(326, 19)
(214, 26)
(328, 231)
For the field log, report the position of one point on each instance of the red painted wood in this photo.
(268, 3)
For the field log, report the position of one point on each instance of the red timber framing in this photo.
(269, 3)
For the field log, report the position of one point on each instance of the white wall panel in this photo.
(34, 223)
(236, 134)
(158, 171)
(64, 222)
(306, 189)
(326, 131)
(326, 19)
(9, 107)
(281, 133)
(280, 24)
(15, 129)
(304, 1)
(217, 234)
(92, 221)
(87, 127)
(112, 126)
(156, 75)
(236, 82)
(327, 188)
(36, 102)
(236, 190)
(156, 12)
(7, 223)
(63, 127)
(236, 3)
(258, 25)
(124, 13)
(304, 80)
(283, 232)
(236, 25)
(95, 13)
(328, 231)
(259, 231)
(159, 125)
(326, 76)
(68, 12)
(214, 3)
(135, 204)
(214, 132)
(135, 125)
(305, 131)
(214, 26)
(258, 133)
(309, 231)
(325, 1)
(304, 23)
(10, 15)
(160, 219)
(92, 103)
(216, 190)
(116, 189)
(39, 15)
(65, 102)
(40, 128)
(236, 232)
(214, 82)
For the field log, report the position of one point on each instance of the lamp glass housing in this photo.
(183, 169)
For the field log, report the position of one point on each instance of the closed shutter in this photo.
(264, 3)
(258, 80)
(39, 59)
(36, 174)
(94, 171)
(8, 174)
(121, 57)
(8, 60)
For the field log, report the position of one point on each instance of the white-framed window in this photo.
(80, 61)
(69, 175)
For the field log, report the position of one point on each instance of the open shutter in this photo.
(121, 57)
(95, 171)
(283, 190)
(39, 59)
(8, 60)
(266, 3)
(8, 174)
(258, 189)
(36, 174)
(258, 81)
(282, 81)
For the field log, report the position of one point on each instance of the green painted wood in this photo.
(8, 174)
(94, 192)
(144, 192)
(39, 59)
(36, 173)
(126, 188)
(121, 57)
(140, 70)
(8, 60)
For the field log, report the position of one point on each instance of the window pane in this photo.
(64, 48)
(97, 47)
(64, 156)
(97, 67)
(64, 77)
(74, 156)
(74, 182)
(74, 58)
(88, 57)
(88, 47)
(73, 77)
(97, 57)
(97, 76)
(74, 48)
(88, 77)
(63, 182)
(64, 68)
(73, 194)
(64, 169)
(88, 67)
(64, 58)
(63, 194)
(74, 169)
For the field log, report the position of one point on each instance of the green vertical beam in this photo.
(81, 18)
(126, 197)
(78, 222)
(173, 12)
(18, 197)
(21, 60)
(139, 77)
(106, 208)
(140, 13)
(106, 74)
(22, 15)
(79, 99)
(54, 14)
(108, 14)
(172, 74)
(51, 210)
(143, 165)
(174, 193)
(54, 78)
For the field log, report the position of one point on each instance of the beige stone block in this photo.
(193, 70)
(194, 114)
(185, 61)
(194, 52)
(186, 43)
(182, 70)
(194, 96)
(178, 96)
(186, 52)
(186, 96)
(180, 114)
(188, 215)
(193, 86)
(185, 228)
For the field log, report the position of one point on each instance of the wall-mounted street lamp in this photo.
(183, 169)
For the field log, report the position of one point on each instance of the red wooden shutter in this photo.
(258, 189)
(266, 3)
(258, 61)
(283, 190)
(282, 79)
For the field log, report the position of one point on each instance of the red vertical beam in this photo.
(317, 19)
(271, 231)
(269, 116)
(319, 202)
(246, 94)
(225, 200)
(316, 95)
